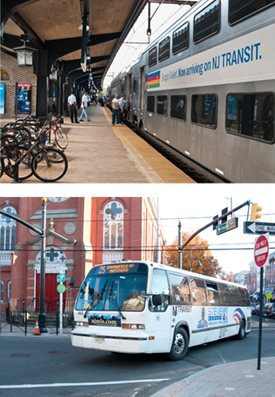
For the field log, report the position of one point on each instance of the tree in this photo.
(196, 257)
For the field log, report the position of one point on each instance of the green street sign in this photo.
(61, 278)
(227, 226)
(61, 288)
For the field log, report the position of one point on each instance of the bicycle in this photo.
(60, 135)
(20, 162)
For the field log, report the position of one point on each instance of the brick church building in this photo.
(80, 233)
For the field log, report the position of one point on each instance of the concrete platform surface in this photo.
(101, 153)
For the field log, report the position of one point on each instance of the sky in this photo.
(195, 206)
(163, 16)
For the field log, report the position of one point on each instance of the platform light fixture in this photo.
(24, 53)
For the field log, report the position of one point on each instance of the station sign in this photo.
(227, 226)
(259, 228)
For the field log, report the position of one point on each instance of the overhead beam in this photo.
(179, 2)
(8, 7)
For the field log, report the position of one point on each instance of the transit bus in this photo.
(145, 307)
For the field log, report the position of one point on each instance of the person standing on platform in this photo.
(72, 107)
(115, 110)
(122, 108)
(84, 105)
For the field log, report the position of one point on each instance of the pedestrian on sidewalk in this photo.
(115, 110)
(72, 108)
(84, 105)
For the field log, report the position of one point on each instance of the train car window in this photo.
(164, 49)
(207, 22)
(180, 39)
(204, 110)
(178, 107)
(151, 104)
(152, 57)
(251, 115)
(241, 9)
(162, 104)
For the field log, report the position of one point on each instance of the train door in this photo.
(142, 88)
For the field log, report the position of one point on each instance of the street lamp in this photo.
(42, 315)
(24, 53)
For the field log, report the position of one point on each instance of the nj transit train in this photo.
(206, 88)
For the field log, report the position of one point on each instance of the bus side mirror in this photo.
(156, 300)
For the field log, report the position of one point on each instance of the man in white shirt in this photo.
(115, 110)
(84, 105)
(72, 108)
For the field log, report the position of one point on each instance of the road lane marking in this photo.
(120, 382)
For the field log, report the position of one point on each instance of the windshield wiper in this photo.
(120, 312)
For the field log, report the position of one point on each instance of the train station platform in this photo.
(99, 152)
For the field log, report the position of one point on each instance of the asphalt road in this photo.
(50, 366)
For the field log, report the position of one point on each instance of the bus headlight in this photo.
(81, 324)
(133, 326)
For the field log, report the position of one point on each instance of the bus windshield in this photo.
(114, 287)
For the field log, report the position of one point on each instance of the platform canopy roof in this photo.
(77, 36)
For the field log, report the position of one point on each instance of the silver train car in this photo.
(206, 88)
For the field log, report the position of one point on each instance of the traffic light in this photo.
(255, 212)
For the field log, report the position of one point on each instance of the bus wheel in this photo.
(180, 345)
(241, 334)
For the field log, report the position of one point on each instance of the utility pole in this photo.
(179, 246)
(42, 314)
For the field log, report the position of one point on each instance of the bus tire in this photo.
(241, 334)
(180, 345)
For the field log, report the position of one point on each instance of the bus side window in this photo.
(198, 292)
(180, 289)
(213, 294)
(160, 287)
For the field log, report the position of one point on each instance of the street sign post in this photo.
(261, 251)
(61, 288)
(259, 228)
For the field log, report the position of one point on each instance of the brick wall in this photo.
(17, 74)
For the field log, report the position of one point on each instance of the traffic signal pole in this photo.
(211, 223)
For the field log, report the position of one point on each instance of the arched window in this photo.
(7, 230)
(113, 230)
(1, 291)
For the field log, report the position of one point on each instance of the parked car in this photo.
(269, 309)
(254, 309)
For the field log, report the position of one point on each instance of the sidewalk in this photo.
(240, 379)
(20, 331)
